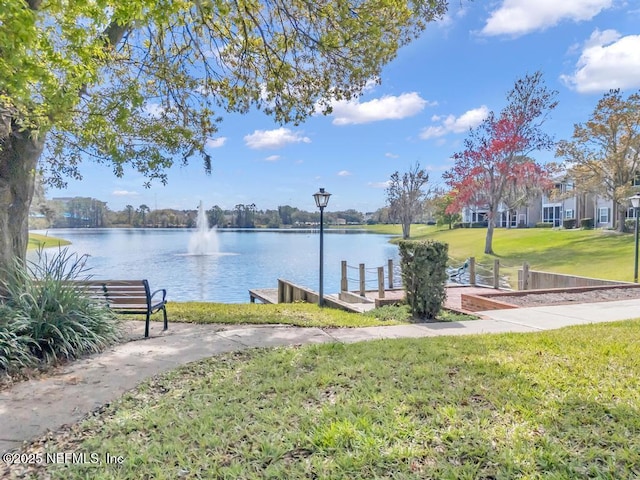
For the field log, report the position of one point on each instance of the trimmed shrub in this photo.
(478, 224)
(569, 223)
(586, 223)
(424, 275)
(61, 320)
(544, 225)
(471, 225)
(630, 225)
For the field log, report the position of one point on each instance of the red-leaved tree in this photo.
(494, 164)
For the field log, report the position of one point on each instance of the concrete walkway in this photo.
(29, 409)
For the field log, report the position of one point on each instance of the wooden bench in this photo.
(129, 297)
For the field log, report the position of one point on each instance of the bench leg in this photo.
(146, 326)
(164, 312)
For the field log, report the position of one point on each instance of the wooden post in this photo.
(280, 291)
(362, 284)
(472, 271)
(496, 273)
(525, 276)
(344, 282)
(380, 282)
(390, 272)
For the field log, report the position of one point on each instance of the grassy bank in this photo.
(44, 241)
(297, 314)
(560, 404)
(591, 253)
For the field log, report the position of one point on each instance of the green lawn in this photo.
(591, 253)
(44, 241)
(563, 404)
(298, 314)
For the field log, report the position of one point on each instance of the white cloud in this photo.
(380, 184)
(344, 173)
(272, 158)
(452, 124)
(519, 17)
(124, 193)
(391, 155)
(154, 110)
(386, 108)
(277, 138)
(371, 84)
(608, 60)
(449, 18)
(216, 142)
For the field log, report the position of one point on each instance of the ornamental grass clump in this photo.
(55, 316)
(15, 344)
(424, 276)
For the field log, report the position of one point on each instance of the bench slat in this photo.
(114, 283)
(124, 295)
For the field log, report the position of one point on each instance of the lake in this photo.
(239, 260)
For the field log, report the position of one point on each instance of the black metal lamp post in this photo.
(635, 203)
(322, 199)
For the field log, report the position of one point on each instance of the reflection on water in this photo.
(245, 259)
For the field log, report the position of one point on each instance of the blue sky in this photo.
(435, 90)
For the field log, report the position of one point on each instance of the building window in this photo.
(568, 213)
(551, 215)
(603, 215)
(636, 180)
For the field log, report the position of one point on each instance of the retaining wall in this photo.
(500, 300)
(539, 280)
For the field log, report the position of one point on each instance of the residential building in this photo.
(561, 203)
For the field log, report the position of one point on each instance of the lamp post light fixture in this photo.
(322, 199)
(635, 203)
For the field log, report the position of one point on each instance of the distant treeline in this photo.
(85, 212)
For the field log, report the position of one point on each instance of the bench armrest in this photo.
(164, 296)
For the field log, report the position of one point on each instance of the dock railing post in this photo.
(496, 273)
(344, 282)
(362, 282)
(472, 271)
(525, 276)
(280, 291)
(390, 272)
(380, 282)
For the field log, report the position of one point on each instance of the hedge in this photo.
(424, 275)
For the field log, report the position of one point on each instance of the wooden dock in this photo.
(265, 295)
(371, 299)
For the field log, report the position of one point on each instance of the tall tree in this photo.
(129, 209)
(443, 216)
(405, 196)
(495, 153)
(239, 215)
(143, 210)
(141, 84)
(286, 214)
(603, 155)
(215, 216)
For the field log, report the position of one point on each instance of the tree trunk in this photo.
(406, 230)
(621, 212)
(19, 154)
(488, 244)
